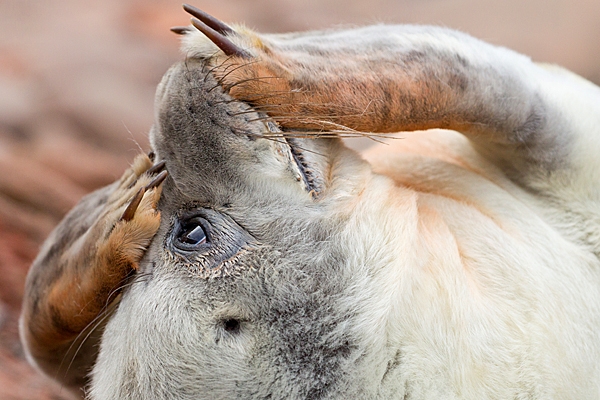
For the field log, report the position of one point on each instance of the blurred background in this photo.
(77, 81)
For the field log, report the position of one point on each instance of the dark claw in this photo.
(221, 41)
(150, 171)
(129, 212)
(209, 20)
(157, 181)
(133, 205)
(156, 168)
(181, 30)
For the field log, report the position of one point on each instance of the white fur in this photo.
(478, 285)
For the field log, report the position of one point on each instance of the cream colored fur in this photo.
(445, 265)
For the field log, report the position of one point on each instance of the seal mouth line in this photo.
(305, 171)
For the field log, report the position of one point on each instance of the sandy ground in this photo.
(77, 83)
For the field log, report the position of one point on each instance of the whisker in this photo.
(105, 314)
(219, 65)
(309, 121)
(258, 78)
(272, 94)
(342, 131)
(296, 145)
(249, 111)
(221, 79)
(101, 317)
(276, 137)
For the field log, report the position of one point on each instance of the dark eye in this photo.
(191, 235)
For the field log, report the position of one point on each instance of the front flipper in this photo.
(390, 78)
(539, 124)
(82, 268)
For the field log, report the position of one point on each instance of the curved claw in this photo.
(156, 168)
(209, 20)
(181, 30)
(158, 180)
(129, 212)
(226, 45)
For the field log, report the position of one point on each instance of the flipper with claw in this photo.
(84, 265)
(394, 78)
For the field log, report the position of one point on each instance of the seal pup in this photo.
(274, 262)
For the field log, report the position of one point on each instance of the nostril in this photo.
(231, 325)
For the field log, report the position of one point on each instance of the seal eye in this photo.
(191, 235)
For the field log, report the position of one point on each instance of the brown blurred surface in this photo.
(77, 83)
